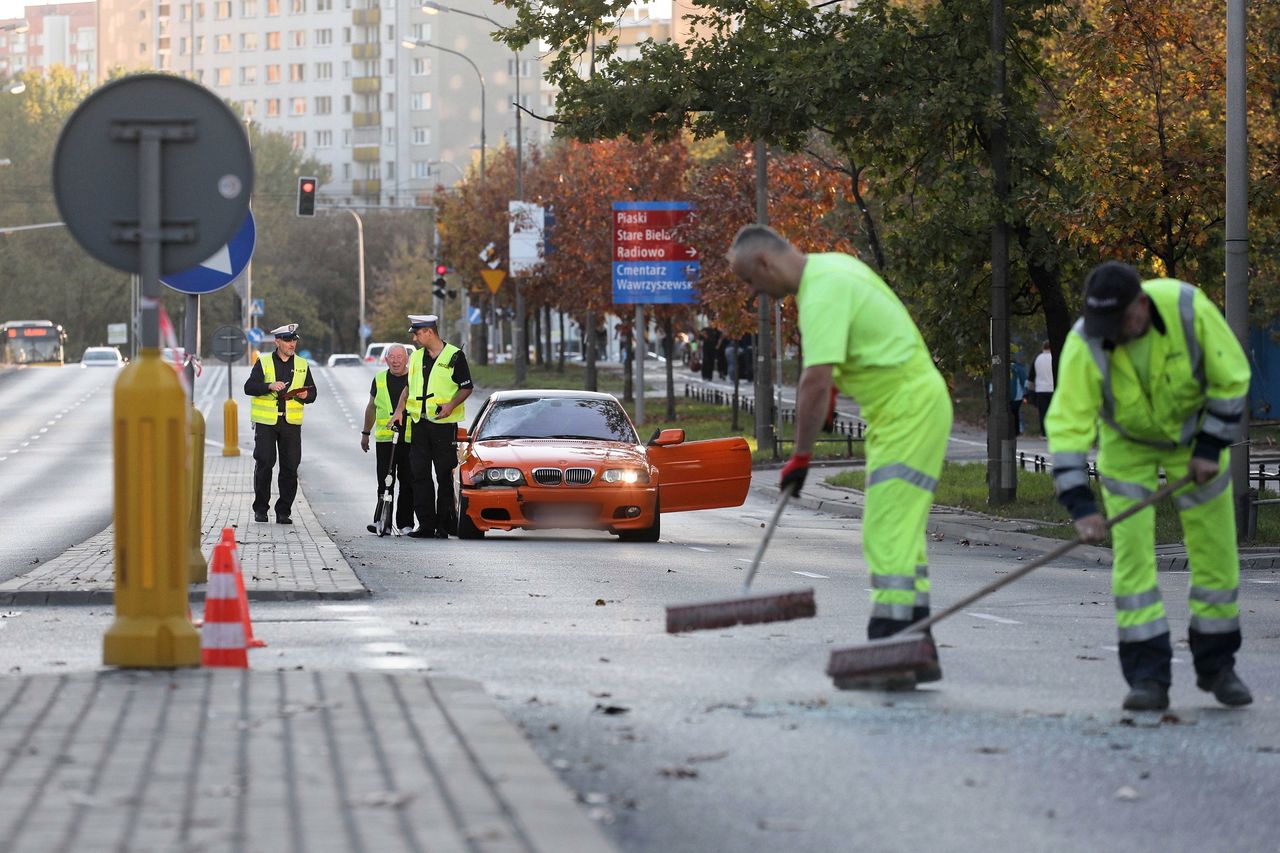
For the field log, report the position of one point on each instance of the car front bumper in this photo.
(589, 507)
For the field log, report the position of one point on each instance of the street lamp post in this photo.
(413, 43)
(364, 338)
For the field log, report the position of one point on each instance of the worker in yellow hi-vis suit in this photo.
(1153, 371)
(859, 338)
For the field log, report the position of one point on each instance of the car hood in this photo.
(556, 453)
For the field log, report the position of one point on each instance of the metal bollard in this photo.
(230, 429)
(197, 568)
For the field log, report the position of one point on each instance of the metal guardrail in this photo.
(845, 430)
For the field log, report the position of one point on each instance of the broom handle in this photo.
(1154, 498)
(783, 499)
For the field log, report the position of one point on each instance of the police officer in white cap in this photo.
(439, 383)
(279, 384)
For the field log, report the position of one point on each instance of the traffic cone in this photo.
(222, 639)
(229, 539)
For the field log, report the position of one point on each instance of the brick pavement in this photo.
(212, 760)
(281, 562)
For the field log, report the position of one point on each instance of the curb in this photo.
(34, 597)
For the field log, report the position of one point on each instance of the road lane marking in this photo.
(345, 608)
(386, 648)
(696, 548)
(999, 619)
(1255, 580)
(396, 663)
(374, 631)
(810, 575)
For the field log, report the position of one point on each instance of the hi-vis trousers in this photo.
(906, 443)
(1207, 514)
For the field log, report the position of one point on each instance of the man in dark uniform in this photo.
(387, 387)
(279, 384)
(439, 383)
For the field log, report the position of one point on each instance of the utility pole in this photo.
(1237, 260)
(1002, 475)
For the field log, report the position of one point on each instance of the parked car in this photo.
(102, 357)
(344, 359)
(572, 459)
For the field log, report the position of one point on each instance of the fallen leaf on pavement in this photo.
(707, 756)
(612, 710)
(599, 602)
(679, 772)
(991, 750)
(1126, 793)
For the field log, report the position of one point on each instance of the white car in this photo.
(344, 359)
(377, 353)
(102, 357)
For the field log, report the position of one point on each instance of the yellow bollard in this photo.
(230, 429)
(197, 568)
(149, 432)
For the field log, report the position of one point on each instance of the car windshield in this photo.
(99, 356)
(557, 417)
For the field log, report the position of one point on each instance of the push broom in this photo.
(895, 662)
(746, 609)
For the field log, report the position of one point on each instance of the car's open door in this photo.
(701, 474)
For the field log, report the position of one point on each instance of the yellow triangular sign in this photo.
(493, 278)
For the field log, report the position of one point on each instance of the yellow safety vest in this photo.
(440, 386)
(264, 409)
(383, 408)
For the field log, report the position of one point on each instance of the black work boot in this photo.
(1227, 688)
(1147, 696)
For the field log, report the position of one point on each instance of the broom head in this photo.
(746, 610)
(893, 663)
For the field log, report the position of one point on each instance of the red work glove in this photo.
(794, 472)
(829, 425)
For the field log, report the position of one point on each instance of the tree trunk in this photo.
(546, 326)
(589, 341)
(668, 350)
(538, 357)
(1046, 279)
(560, 358)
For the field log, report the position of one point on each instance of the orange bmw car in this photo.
(572, 459)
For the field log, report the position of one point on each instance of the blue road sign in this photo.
(366, 330)
(255, 335)
(222, 268)
(257, 307)
(650, 263)
(473, 315)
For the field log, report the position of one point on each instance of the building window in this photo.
(324, 138)
(391, 102)
(222, 43)
(184, 45)
(324, 105)
(224, 77)
(391, 68)
(249, 108)
(422, 31)
(273, 41)
(346, 35)
(273, 8)
(391, 32)
(273, 107)
(391, 170)
(299, 140)
(222, 10)
(421, 169)
(297, 7)
(273, 73)
(297, 38)
(297, 106)
(391, 136)
(296, 71)
(248, 8)
(346, 104)
(324, 37)
(346, 69)
(346, 171)
(420, 101)
(248, 74)
(324, 70)
(421, 67)
(199, 44)
(248, 41)
(346, 139)
(422, 136)
(324, 5)
(184, 12)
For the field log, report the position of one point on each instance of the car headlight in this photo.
(498, 477)
(626, 476)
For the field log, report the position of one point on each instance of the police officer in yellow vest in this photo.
(385, 391)
(859, 336)
(439, 383)
(279, 384)
(1154, 373)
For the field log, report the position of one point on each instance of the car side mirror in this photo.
(462, 434)
(667, 437)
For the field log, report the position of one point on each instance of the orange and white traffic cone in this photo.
(222, 639)
(229, 539)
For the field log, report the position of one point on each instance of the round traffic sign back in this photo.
(206, 173)
(229, 343)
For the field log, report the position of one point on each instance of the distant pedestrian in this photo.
(1017, 393)
(709, 350)
(430, 407)
(1041, 379)
(279, 384)
(388, 385)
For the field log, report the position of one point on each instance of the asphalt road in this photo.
(734, 740)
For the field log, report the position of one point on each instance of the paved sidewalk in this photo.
(981, 529)
(281, 562)
(213, 760)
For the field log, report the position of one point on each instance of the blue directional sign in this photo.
(222, 268)
(473, 315)
(651, 264)
(255, 335)
(257, 307)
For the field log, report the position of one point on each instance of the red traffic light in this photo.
(441, 269)
(307, 187)
(307, 195)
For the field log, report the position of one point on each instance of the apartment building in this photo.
(58, 34)
(390, 121)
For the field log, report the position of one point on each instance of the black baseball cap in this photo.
(1109, 290)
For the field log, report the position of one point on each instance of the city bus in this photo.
(30, 342)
